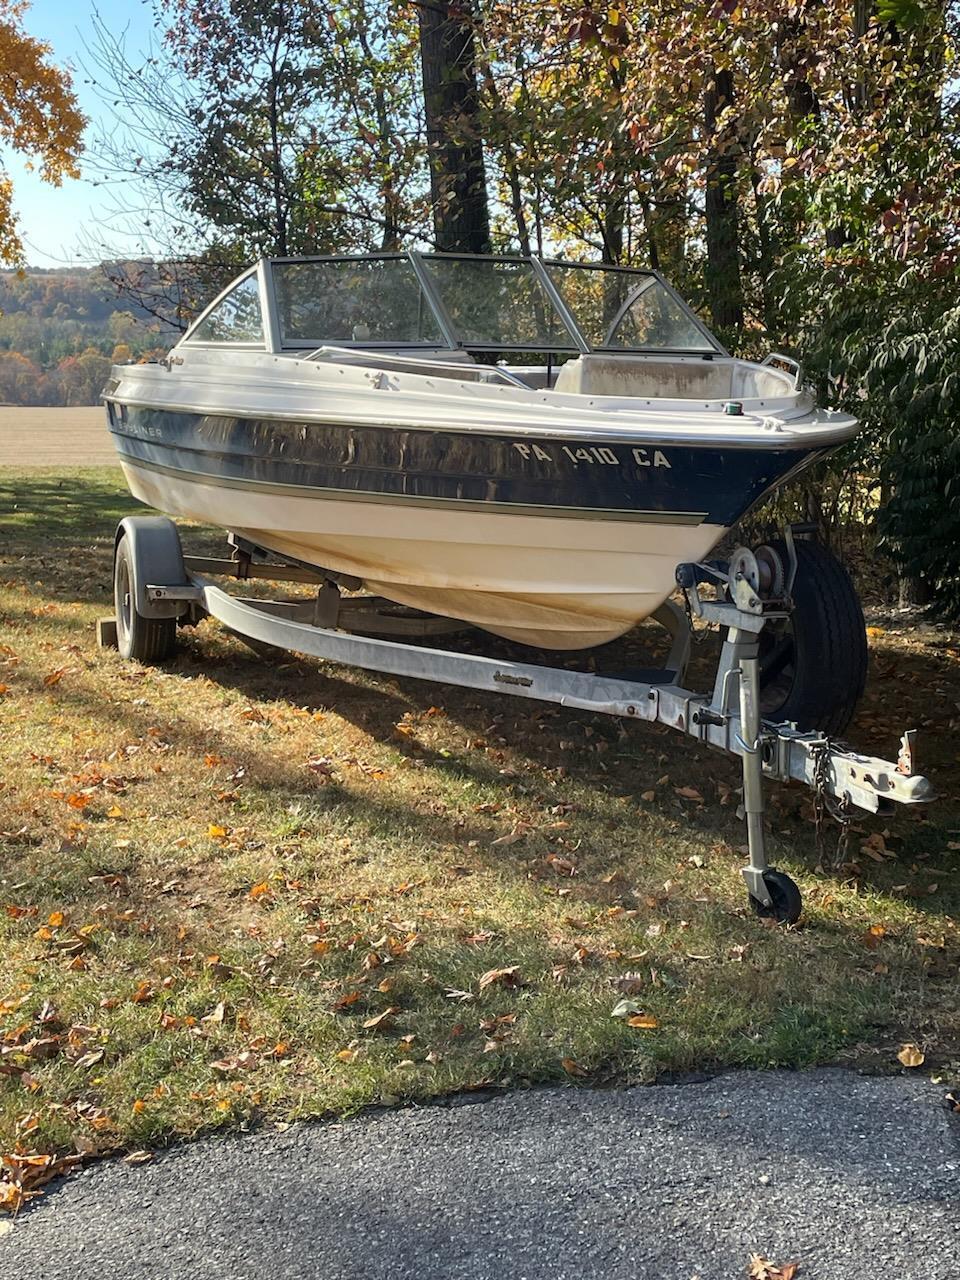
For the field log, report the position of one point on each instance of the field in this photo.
(235, 891)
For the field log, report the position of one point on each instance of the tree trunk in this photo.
(724, 285)
(458, 187)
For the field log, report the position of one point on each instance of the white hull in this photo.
(548, 581)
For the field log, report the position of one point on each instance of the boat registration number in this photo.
(590, 455)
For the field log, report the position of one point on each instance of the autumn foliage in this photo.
(39, 117)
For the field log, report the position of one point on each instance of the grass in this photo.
(232, 890)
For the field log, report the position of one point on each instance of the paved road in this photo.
(54, 438)
(856, 1178)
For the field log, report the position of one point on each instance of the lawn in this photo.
(235, 891)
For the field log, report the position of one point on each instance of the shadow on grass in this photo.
(75, 515)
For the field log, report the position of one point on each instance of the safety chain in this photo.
(824, 805)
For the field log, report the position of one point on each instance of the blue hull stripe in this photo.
(682, 484)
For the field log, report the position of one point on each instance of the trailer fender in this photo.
(157, 561)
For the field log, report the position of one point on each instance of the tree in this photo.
(458, 181)
(39, 117)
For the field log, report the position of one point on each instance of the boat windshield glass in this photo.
(497, 302)
(626, 310)
(459, 301)
(362, 301)
(237, 318)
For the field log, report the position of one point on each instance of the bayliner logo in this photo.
(591, 455)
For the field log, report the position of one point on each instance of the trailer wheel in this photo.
(785, 903)
(813, 665)
(148, 640)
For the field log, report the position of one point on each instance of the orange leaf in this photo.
(346, 1000)
(572, 1068)
(216, 832)
(55, 919)
(911, 1056)
(77, 800)
(259, 890)
(114, 811)
(54, 677)
(645, 1021)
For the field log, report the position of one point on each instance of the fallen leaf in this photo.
(54, 677)
(508, 977)
(572, 1068)
(90, 1059)
(911, 1056)
(259, 890)
(216, 832)
(688, 793)
(346, 1000)
(378, 1019)
(625, 1009)
(643, 1021)
(761, 1268)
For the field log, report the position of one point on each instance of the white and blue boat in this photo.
(530, 446)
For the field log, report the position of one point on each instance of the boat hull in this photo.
(556, 584)
(557, 542)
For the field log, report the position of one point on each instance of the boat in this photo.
(524, 444)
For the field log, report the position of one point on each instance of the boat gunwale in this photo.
(783, 435)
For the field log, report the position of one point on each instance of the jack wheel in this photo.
(786, 903)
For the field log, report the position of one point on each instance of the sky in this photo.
(52, 219)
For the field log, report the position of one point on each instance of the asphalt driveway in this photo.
(856, 1178)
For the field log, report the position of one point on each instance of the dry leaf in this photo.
(643, 1021)
(216, 832)
(911, 1056)
(259, 890)
(761, 1268)
(54, 677)
(378, 1019)
(509, 977)
(871, 939)
(688, 793)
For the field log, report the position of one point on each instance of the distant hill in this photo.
(61, 329)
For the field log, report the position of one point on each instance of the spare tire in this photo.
(813, 665)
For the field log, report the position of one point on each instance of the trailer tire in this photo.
(149, 640)
(813, 666)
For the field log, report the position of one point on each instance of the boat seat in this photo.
(643, 376)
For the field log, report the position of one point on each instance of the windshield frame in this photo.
(578, 344)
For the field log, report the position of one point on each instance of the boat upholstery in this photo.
(672, 379)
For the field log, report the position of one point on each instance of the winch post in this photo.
(747, 647)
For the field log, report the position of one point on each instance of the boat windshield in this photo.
(627, 310)
(431, 301)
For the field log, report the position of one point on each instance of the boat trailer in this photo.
(156, 584)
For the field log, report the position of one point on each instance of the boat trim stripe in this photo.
(408, 500)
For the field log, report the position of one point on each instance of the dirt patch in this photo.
(54, 437)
